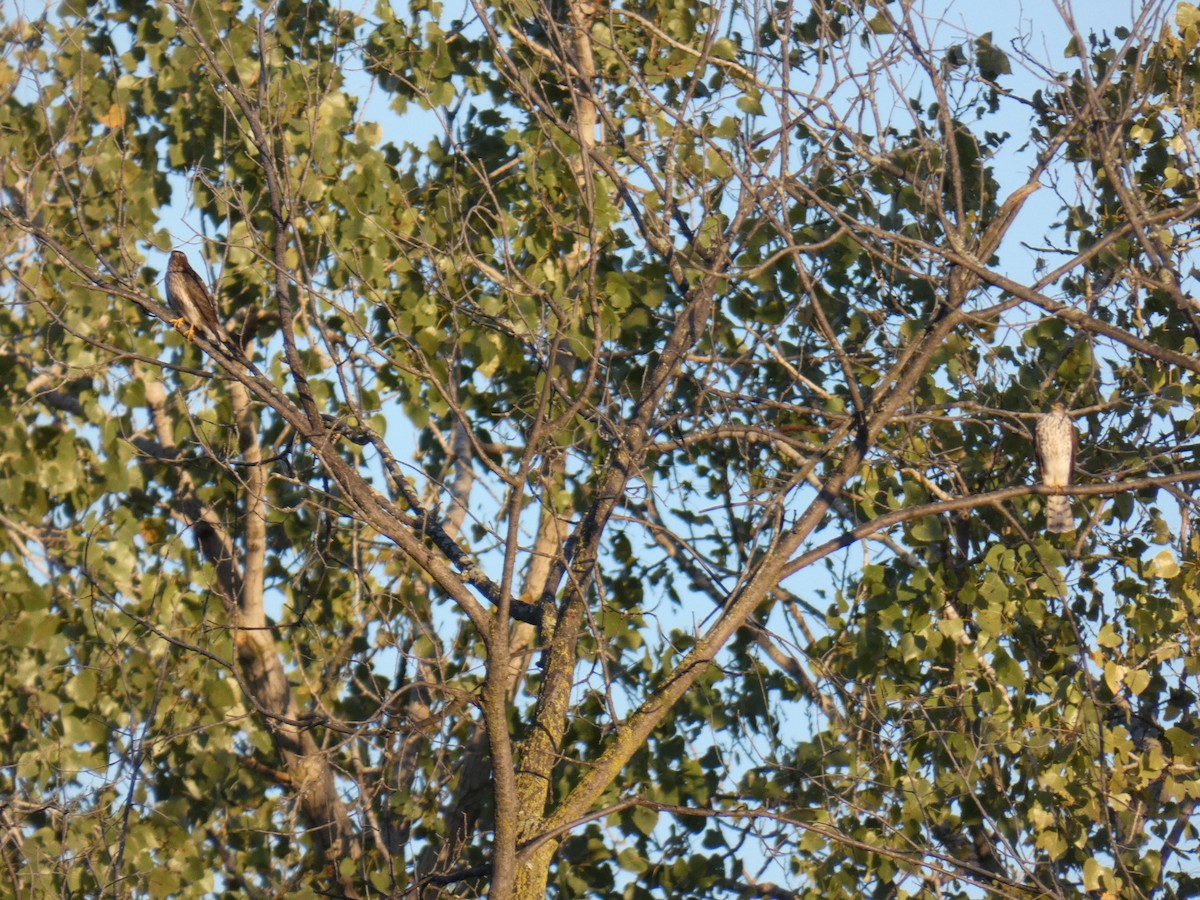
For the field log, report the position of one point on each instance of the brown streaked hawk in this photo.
(1056, 441)
(188, 296)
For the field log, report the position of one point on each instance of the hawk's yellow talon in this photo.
(178, 325)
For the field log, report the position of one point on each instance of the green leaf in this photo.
(881, 23)
(991, 60)
(928, 530)
(750, 103)
(644, 819)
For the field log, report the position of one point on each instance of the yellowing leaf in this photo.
(152, 530)
(1114, 674)
(1041, 817)
(1164, 565)
(114, 118)
(369, 133)
(1093, 871)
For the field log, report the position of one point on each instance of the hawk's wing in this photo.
(206, 307)
(189, 296)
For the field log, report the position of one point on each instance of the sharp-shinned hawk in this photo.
(1056, 441)
(191, 300)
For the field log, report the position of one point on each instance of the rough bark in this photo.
(261, 672)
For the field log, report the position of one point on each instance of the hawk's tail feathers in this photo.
(1059, 518)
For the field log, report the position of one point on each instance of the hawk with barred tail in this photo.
(188, 296)
(1056, 441)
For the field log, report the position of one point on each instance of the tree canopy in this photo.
(619, 480)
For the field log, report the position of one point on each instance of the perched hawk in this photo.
(1055, 440)
(190, 298)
